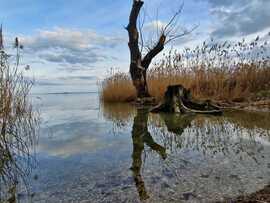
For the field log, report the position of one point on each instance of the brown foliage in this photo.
(18, 125)
(224, 71)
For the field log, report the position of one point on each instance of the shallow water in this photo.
(89, 152)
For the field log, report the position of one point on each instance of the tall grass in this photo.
(220, 71)
(117, 87)
(18, 126)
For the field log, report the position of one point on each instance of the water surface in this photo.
(89, 152)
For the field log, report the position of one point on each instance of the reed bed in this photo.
(117, 87)
(220, 71)
(19, 123)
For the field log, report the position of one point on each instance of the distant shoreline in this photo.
(62, 93)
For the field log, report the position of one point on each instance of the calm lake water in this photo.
(88, 152)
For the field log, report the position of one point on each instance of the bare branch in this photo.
(166, 34)
(174, 18)
(154, 52)
(177, 36)
(142, 18)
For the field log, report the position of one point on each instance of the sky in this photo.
(77, 42)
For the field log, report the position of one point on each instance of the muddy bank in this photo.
(257, 106)
(261, 106)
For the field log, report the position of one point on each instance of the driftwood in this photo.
(178, 99)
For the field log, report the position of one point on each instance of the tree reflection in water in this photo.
(212, 135)
(226, 138)
(141, 136)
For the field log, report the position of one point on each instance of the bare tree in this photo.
(1, 38)
(139, 64)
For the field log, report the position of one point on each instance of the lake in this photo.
(92, 152)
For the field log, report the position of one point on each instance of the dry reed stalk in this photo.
(219, 71)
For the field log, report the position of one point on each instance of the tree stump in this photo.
(178, 99)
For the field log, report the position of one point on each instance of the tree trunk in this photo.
(138, 66)
(139, 79)
(141, 137)
(136, 70)
(178, 99)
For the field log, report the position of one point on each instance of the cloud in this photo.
(73, 57)
(69, 38)
(87, 78)
(65, 80)
(155, 25)
(69, 46)
(70, 142)
(153, 29)
(239, 18)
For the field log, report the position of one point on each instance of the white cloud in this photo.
(69, 46)
(154, 25)
(68, 38)
(239, 18)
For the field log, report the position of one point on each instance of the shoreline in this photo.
(252, 106)
(256, 106)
